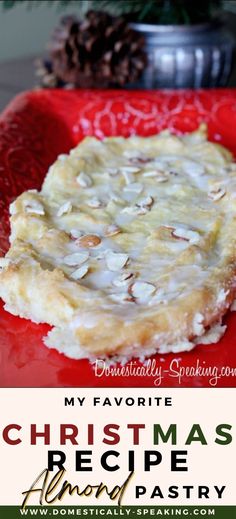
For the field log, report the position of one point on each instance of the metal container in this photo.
(186, 56)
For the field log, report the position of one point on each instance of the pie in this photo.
(129, 248)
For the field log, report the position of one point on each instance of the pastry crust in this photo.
(129, 248)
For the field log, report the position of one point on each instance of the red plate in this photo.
(34, 129)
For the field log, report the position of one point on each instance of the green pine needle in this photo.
(146, 11)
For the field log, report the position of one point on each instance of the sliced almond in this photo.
(80, 272)
(77, 258)
(134, 187)
(152, 173)
(122, 298)
(112, 171)
(115, 260)
(217, 194)
(75, 234)
(139, 161)
(65, 208)
(141, 207)
(142, 210)
(129, 178)
(166, 226)
(142, 290)
(186, 234)
(112, 230)
(95, 203)
(146, 202)
(159, 175)
(135, 210)
(88, 240)
(123, 279)
(34, 207)
(129, 169)
(136, 158)
(84, 180)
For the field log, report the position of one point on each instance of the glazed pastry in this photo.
(129, 248)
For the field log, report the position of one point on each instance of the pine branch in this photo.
(146, 11)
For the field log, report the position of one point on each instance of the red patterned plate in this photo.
(34, 129)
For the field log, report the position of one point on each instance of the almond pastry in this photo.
(129, 248)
